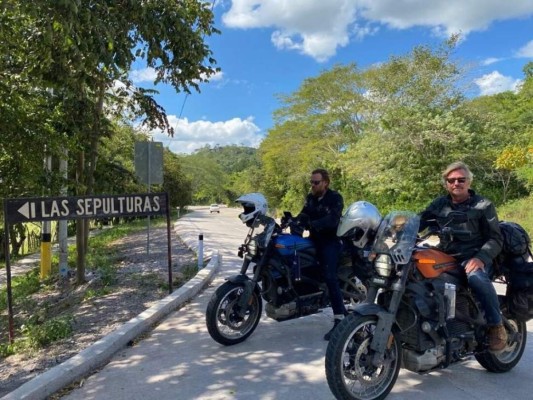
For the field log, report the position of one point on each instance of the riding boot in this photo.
(497, 337)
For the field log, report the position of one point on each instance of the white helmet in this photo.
(254, 204)
(361, 220)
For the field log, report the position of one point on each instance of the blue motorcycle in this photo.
(284, 274)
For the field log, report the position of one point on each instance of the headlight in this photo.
(252, 247)
(383, 265)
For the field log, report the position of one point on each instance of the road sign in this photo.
(149, 162)
(59, 208)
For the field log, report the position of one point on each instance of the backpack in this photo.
(516, 241)
(518, 270)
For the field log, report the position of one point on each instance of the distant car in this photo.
(214, 208)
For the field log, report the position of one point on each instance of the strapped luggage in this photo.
(517, 262)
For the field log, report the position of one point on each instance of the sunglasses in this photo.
(453, 180)
(314, 182)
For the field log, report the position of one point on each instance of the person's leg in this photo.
(485, 293)
(480, 283)
(329, 259)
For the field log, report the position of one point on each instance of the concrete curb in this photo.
(103, 350)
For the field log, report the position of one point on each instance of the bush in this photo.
(37, 336)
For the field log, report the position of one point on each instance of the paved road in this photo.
(179, 360)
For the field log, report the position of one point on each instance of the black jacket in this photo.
(485, 241)
(324, 215)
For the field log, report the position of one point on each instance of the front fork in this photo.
(245, 299)
(382, 338)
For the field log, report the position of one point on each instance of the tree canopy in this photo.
(387, 132)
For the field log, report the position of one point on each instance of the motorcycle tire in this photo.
(349, 372)
(224, 323)
(507, 359)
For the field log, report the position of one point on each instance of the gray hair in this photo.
(455, 166)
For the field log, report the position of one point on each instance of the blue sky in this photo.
(268, 47)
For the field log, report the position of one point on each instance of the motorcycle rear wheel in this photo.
(511, 355)
(349, 371)
(223, 321)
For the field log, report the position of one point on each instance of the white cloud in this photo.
(318, 28)
(526, 51)
(190, 136)
(315, 28)
(149, 75)
(217, 76)
(143, 75)
(450, 16)
(490, 60)
(495, 82)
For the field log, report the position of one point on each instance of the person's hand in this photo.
(304, 221)
(473, 265)
(296, 229)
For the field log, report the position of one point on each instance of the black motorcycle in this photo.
(285, 274)
(419, 315)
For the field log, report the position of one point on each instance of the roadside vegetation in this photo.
(37, 324)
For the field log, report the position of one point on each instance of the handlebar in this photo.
(445, 234)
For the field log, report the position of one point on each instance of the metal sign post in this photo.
(83, 207)
(149, 170)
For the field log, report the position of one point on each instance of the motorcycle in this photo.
(419, 315)
(285, 274)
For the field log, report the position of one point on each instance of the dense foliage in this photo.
(64, 84)
(386, 133)
(220, 174)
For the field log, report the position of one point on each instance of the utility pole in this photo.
(46, 231)
(62, 230)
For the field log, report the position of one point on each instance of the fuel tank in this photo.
(431, 262)
(289, 244)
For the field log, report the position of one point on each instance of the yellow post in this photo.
(46, 251)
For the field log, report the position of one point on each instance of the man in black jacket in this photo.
(321, 214)
(476, 251)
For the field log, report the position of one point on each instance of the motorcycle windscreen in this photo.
(397, 236)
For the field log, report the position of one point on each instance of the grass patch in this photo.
(36, 336)
(21, 287)
(94, 293)
(519, 211)
(187, 273)
(35, 326)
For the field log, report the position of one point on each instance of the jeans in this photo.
(481, 285)
(328, 253)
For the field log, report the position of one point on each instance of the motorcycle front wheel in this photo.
(350, 372)
(225, 323)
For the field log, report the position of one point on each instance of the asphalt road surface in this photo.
(179, 360)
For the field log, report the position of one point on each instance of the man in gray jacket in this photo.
(477, 251)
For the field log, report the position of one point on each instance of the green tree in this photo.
(220, 174)
(207, 178)
(313, 128)
(79, 49)
(504, 162)
(175, 182)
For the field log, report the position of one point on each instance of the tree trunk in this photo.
(17, 236)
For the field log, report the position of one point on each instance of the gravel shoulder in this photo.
(141, 280)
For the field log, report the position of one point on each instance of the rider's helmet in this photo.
(359, 223)
(254, 204)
